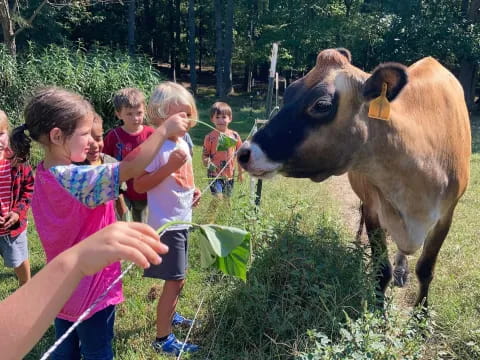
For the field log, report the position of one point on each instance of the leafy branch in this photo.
(225, 247)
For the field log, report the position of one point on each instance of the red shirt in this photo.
(19, 195)
(118, 143)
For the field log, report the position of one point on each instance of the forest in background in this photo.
(233, 38)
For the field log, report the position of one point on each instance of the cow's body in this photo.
(409, 171)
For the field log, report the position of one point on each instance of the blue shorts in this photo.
(174, 263)
(222, 186)
(92, 339)
(14, 249)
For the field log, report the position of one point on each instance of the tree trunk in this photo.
(8, 14)
(200, 44)
(172, 47)
(178, 61)
(227, 67)
(191, 45)
(7, 28)
(468, 78)
(131, 27)
(219, 63)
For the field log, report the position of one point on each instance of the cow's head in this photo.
(323, 122)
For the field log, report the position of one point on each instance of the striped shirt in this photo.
(5, 190)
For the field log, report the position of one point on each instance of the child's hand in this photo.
(240, 177)
(211, 166)
(197, 194)
(177, 125)
(10, 219)
(120, 206)
(132, 241)
(176, 160)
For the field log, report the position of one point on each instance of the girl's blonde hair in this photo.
(169, 93)
(4, 119)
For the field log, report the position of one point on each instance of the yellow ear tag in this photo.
(380, 107)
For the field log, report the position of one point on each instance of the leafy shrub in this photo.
(374, 336)
(96, 74)
(296, 282)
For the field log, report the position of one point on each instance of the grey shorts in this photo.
(14, 249)
(174, 263)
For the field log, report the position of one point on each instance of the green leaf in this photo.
(235, 263)
(228, 247)
(225, 142)
(223, 239)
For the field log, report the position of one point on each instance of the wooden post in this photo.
(268, 110)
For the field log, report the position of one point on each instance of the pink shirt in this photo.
(63, 208)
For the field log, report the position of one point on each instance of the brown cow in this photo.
(409, 171)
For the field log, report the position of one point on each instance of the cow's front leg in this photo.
(378, 244)
(426, 262)
(400, 271)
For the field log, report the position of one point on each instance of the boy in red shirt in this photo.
(129, 106)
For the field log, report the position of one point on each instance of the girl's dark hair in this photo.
(48, 108)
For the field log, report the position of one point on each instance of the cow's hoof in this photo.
(400, 276)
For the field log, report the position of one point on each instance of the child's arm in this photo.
(206, 152)
(120, 206)
(28, 312)
(147, 180)
(20, 210)
(136, 161)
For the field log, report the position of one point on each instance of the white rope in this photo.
(84, 314)
(129, 267)
(215, 333)
(194, 200)
(191, 326)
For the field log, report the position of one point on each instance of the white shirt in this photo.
(172, 198)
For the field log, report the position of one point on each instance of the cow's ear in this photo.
(393, 74)
(346, 53)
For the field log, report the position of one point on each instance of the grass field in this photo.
(305, 274)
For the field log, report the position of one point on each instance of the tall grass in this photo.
(96, 74)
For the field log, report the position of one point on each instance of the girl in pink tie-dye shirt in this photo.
(72, 202)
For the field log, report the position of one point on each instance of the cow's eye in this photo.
(322, 106)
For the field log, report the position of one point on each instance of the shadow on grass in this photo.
(475, 125)
(296, 283)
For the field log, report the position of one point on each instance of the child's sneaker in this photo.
(172, 346)
(179, 320)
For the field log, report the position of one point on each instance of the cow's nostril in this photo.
(243, 155)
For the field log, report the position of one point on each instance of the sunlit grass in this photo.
(305, 274)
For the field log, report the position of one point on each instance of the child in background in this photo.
(214, 160)
(71, 202)
(95, 156)
(16, 188)
(168, 181)
(129, 106)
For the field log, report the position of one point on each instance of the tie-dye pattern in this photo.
(91, 185)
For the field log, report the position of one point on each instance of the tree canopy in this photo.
(373, 30)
